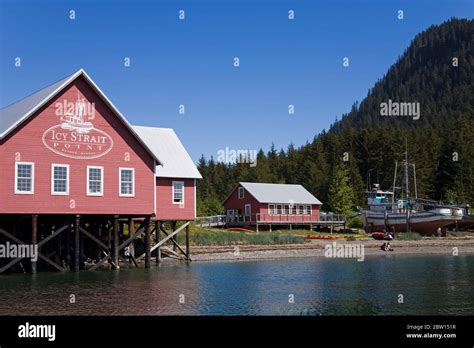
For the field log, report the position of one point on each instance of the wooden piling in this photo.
(131, 232)
(98, 250)
(116, 242)
(81, 251)
(76, 243)
(188, 253)
(158, 237)
(68, 250)
(34, 238)
(147, 243)
(173, 228)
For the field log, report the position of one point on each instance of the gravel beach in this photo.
(316, 248)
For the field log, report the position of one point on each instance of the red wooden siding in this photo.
(233, 202)
(26, 143)
(165, 209)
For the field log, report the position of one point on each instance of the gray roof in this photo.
(280, 193)
(175, 161)
(13, 114)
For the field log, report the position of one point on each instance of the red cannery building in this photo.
(69, 158)
(271, 204)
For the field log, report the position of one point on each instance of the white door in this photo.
(248, 212)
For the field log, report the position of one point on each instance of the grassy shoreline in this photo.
(200, 236)
(208, 236)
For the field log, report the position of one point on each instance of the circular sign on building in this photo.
(76, 136)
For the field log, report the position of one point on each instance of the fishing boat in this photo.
(386, 213)
(75, 121)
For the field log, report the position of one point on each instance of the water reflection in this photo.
(429, 285)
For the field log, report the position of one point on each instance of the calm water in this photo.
(429, 284)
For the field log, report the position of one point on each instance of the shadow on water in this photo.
(429, 285)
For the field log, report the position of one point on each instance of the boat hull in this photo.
(467, 222)
(425, 223)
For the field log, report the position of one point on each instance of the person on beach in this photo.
(386, 247)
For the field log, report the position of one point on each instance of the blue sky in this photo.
(190, 62)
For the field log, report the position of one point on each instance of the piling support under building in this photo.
(116, 242)
(188, 252)
(77, 240)
(158, 237)
(147, 243)
(34, 239)
(85, 243)
(131, 232)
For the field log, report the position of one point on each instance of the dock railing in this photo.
(286, 218)
(263, 218)
(211, 221)
(333, 218)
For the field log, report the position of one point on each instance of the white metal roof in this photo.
(175, 160)
(15, 114)
(280, 193)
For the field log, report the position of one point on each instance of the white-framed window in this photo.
(127, 182)
(248, 210)
(241, 192)
(24, 178)
(60, 179)
(300, 209)
(95, 181)
(279, 208)
(308, 210)
(286, 209)
(271, 209)
(178, 192)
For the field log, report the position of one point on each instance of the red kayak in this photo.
(240, 229)
(322, 237)
(378, 235)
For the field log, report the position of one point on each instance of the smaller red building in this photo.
(176, 175)
(258, 203)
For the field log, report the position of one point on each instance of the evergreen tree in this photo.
(341, 194)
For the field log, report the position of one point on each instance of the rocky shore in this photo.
(316, 248)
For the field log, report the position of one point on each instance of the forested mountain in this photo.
(436, 71)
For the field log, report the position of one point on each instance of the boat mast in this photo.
(407, 187)
(405, 174)
(394, 181)
(414, 178)
(405, 170)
